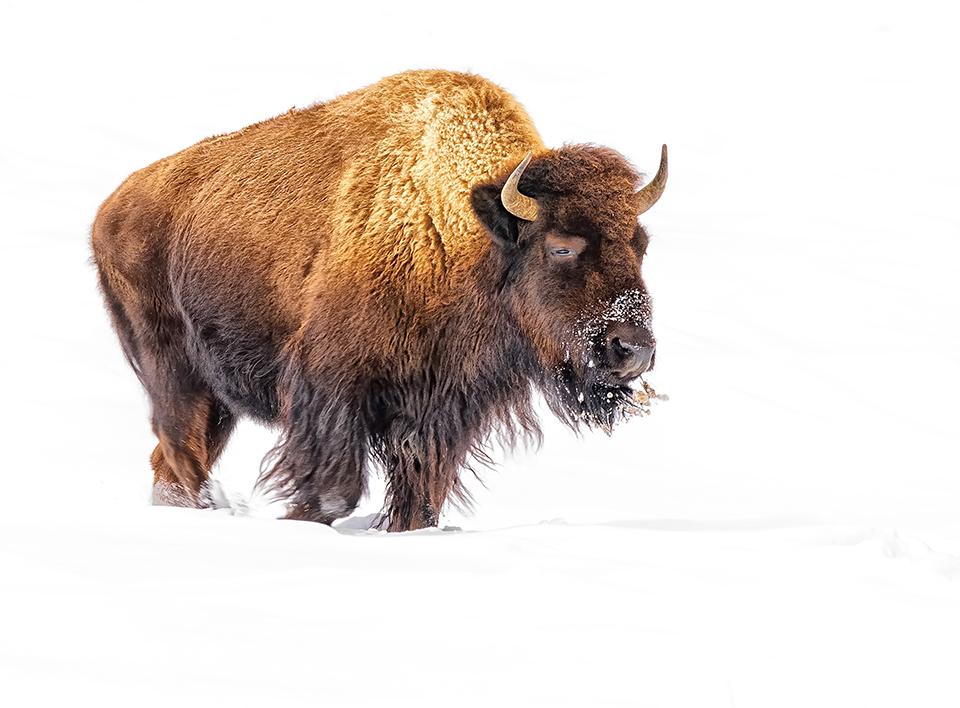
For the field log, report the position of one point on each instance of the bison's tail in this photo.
(111, 282)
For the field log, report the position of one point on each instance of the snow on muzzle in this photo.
(617, 336)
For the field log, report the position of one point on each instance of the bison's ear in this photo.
(502, 226)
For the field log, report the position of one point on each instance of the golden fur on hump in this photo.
(373, 184)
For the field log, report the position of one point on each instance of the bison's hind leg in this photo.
(193, 429)
(192, 424)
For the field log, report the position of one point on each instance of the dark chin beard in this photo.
(588, 397)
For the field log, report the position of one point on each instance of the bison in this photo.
(387, 277)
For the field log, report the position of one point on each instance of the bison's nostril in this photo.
(622, 352)
(630, 359)
(629, 350)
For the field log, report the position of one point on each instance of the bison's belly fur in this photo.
(323, 272)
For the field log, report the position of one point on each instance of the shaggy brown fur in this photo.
(348, 272)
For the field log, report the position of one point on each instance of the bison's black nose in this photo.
(630, 350)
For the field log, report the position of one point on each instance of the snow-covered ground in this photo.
(785, 531)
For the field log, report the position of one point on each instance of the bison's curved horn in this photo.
(520, 205)
(651, 192)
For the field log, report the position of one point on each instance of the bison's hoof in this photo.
(167, 494)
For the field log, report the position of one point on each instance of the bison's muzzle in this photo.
(630, 350)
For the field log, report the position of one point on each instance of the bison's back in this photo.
(374, 181)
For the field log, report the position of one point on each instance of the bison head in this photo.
(570, 252)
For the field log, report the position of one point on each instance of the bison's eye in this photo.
(563, 247)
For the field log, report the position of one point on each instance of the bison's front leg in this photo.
(423, 464)
(408, 505)
(319, 465)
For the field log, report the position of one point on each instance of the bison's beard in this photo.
(590, 396)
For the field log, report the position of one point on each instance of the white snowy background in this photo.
(785, 531)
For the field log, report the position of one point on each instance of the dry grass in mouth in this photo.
(644, 396)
